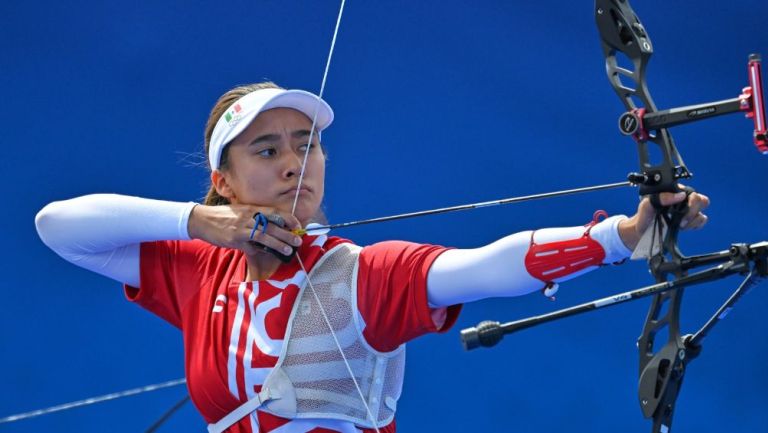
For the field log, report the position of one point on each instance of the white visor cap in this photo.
(240, 114)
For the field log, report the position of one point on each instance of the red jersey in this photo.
(233, 330)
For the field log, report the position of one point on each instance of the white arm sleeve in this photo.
(498, 269)
(102, 232)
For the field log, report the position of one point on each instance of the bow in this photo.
(622, 34)
(661, 373)
(627, 49)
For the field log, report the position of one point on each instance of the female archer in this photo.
(289, 330)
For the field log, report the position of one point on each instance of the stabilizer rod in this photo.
(739, 258)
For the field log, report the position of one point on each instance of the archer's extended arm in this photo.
(524, 262)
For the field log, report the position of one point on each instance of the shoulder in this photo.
(401, 252)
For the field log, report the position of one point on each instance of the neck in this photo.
(261, 266)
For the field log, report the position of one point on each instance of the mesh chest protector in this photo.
(312, 379)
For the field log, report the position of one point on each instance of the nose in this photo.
(292, 164)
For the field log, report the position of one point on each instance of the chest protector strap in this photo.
(312, 378)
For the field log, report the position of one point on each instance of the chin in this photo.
(308, 215)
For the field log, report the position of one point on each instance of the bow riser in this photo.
(622, 33)
(661, 372)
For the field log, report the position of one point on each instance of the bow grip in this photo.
(677, 211)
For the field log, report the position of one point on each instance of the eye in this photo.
(304, 147)
(267, 152)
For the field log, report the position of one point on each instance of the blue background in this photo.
(437, 103)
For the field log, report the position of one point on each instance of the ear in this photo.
(221, 183)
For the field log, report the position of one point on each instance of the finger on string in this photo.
(281, 234)
(268, 240)
(290, 222)
(290, 237)
(276, 219)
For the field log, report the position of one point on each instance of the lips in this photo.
(292, 190)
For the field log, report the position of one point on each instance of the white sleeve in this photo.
(498, 269)
(102, 232)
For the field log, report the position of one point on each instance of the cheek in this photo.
(251, 183)
(259, 183)
(319, 168)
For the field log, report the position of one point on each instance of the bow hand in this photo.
(690, 204)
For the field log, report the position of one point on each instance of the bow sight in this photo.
(637, 122)
(627, 49)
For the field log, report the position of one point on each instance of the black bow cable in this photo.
(168, 413)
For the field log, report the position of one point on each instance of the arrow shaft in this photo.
(469, 206)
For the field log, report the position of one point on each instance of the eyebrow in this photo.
(266, 138)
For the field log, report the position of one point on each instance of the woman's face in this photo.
(265, 160)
